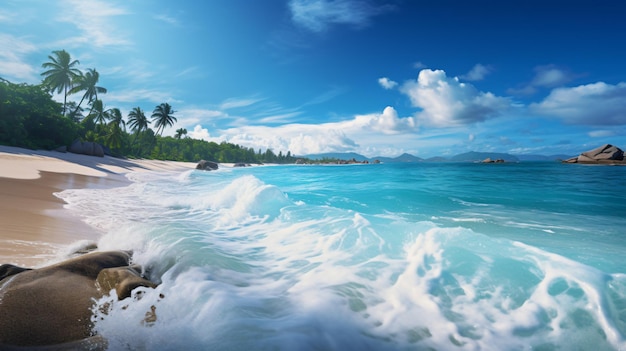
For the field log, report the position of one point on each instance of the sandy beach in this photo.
(35, 226)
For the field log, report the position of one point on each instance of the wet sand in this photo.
(35, 229)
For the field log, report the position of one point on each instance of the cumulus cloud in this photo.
(478, 72)
(445, 101)
(302, 139)
(387, 122)
(387, 83)
(318, 15)
(199, 132)
(591, 104)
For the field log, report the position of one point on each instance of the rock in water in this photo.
(52, 305)
(604, 154)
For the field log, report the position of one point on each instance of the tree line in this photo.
(30, 118)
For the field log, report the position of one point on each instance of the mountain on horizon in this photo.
(352, 155)
(472, 156)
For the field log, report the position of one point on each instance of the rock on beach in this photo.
(53, 305)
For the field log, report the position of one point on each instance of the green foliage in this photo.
(30, 118)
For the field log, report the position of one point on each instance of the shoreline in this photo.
(36, 228)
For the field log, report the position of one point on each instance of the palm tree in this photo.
(88, 82)
(162, 116)
(99, 114)
(137, 120)
(180, 132)
(115, 115)
(61, 73)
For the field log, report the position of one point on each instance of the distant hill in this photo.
(352, 155)
(474, 156)
(402, 158)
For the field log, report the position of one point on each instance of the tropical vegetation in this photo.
(31, 118)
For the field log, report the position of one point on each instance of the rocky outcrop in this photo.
(207, 165)
(86, 148)
(489, 160)
(605, 154)
(51, 306)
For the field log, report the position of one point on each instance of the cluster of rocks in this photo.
(489, 160)
(88, 148)
(605, 154)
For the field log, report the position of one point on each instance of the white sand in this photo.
(34, 226)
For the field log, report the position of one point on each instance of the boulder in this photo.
(86, 148)
(207, 165)
(51, 306)
(240, 164)
(122, 279)
(604, 154)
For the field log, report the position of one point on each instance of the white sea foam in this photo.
(245, 264)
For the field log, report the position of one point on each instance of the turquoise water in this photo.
(429, 256)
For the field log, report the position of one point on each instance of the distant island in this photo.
(472, 156)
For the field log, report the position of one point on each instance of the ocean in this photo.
(419, 256)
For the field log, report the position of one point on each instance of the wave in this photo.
(241, 265)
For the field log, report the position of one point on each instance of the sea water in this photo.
(428, 256)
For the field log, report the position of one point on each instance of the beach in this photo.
(36, 229)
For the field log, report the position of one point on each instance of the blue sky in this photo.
(379, 78)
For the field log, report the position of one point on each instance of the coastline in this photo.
(35, 225)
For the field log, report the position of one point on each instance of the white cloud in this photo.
(387, 122)
(200, 133)
(419, 65)
(478, 72)
(601, 133)
(591, 104)
(318, 15)
(167, 19)
(12, 62)
(387, 83)
(547, 76)
(237, 103)
(302, 139)
(447, 102)
(139, 95)
(550, 76)
(93, 19)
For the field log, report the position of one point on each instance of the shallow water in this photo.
(448, 256)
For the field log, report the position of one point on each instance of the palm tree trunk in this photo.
(64, 101)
